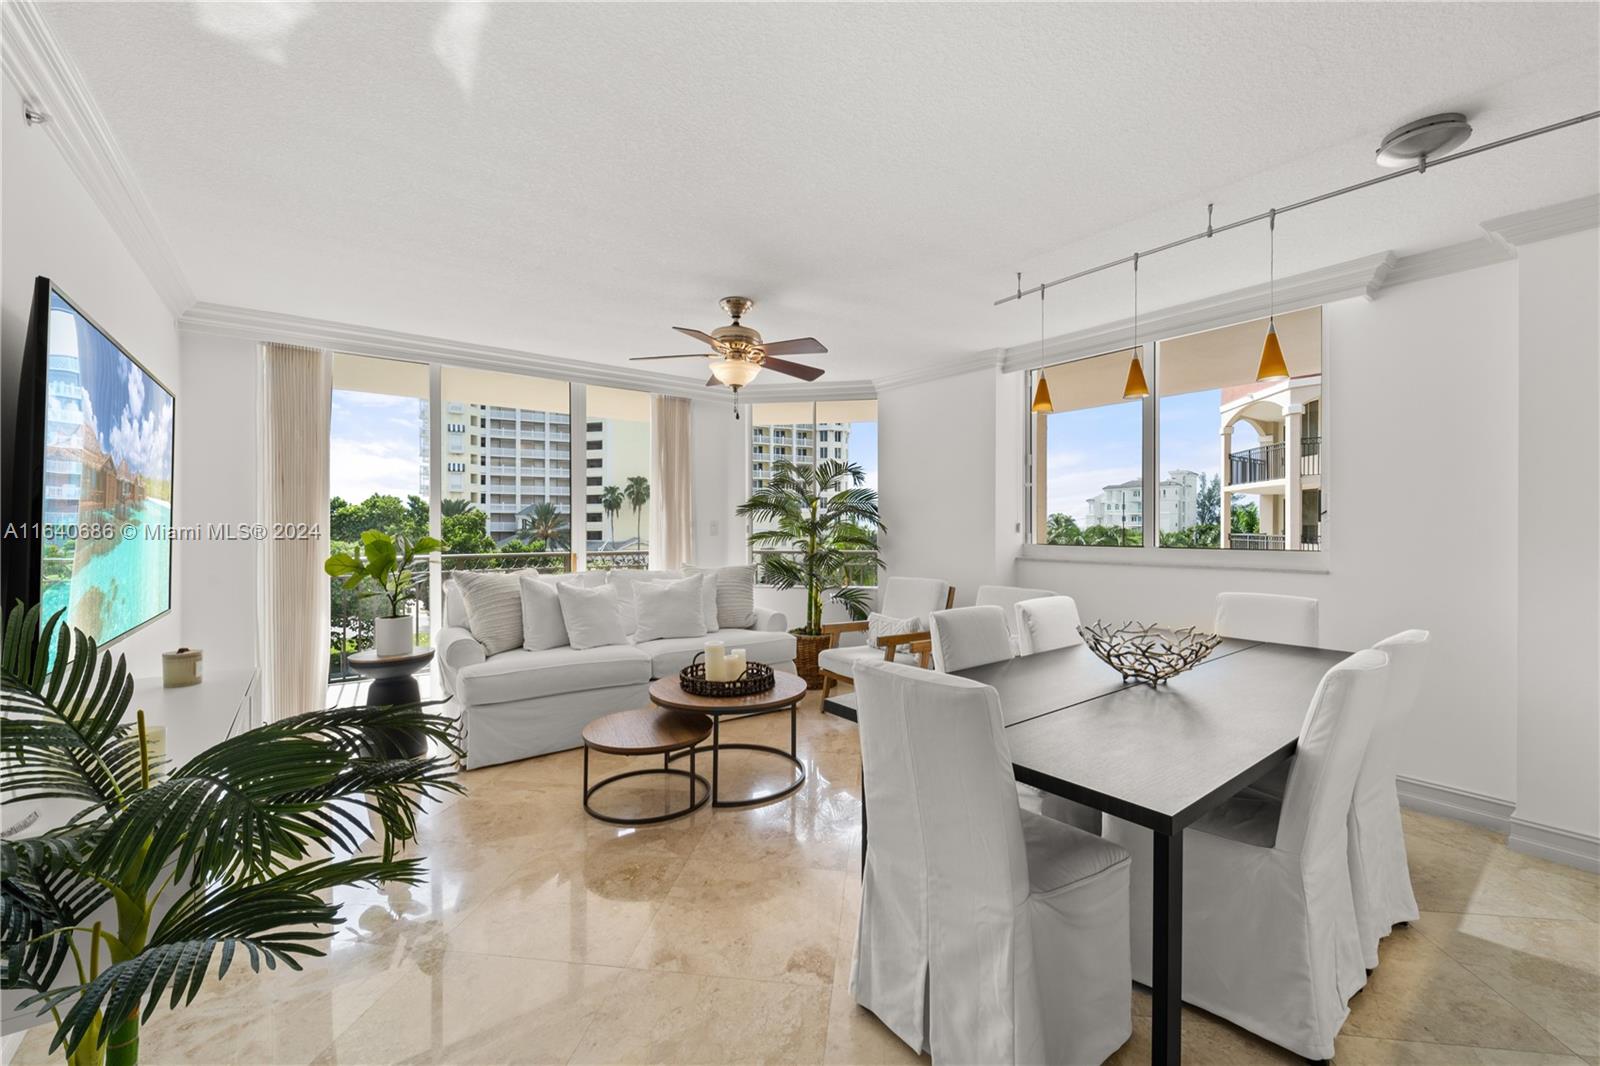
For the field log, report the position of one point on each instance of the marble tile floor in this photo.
(543, 936)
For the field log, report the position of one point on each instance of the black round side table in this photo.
(394, 683)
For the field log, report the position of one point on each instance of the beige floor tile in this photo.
(1469, 870)
(1366, 1051)
(477, 1009)
(688, 1018)
(759, 921)
(1549, 969)
(588, 906)
(1207, 1041)
(1419, 993)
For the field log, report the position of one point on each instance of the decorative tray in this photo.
(756, 679)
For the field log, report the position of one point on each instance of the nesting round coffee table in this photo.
(651, 731)
(786, 694)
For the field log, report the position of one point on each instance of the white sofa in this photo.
(522, 703)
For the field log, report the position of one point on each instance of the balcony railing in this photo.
(864, 575)
(1310, 456)
(617, 560)
(1256, 541)
(1264, 463)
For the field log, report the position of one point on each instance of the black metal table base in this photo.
(665, 769)
(717, 747)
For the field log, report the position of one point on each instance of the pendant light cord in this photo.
(1272, 266)
(1136, 305)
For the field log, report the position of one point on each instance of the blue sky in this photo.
(864, 449)
(1101, 446)
(376, 445)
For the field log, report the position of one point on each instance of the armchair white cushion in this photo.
(969, 636)
(913, 597)
(1267, 617)
(987, 933)
(1046, 624)
(1270, 940)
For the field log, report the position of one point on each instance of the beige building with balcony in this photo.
(1282, 472)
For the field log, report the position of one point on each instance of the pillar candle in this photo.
(735, 661)
(716, 661)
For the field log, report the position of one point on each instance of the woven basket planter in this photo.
(805, 658)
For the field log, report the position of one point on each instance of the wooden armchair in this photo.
(838, 667)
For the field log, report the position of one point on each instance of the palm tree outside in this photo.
(611, 501)
(543, 521)
(638, 494)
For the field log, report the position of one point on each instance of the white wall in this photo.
(218, 457)
(1558, 565)
(50, 226)
(720, 473)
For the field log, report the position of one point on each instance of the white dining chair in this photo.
(1380, 877)
(1046, 624)
(1267, 617)
(964, 637)
(987, 933)
(1270, 938)
(1006, 597)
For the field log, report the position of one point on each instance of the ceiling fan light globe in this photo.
(735, 373)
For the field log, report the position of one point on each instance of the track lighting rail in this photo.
(1210, 230)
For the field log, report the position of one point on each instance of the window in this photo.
(618, 533)
(1256, 445)
(1226, 444)
(1088, 455)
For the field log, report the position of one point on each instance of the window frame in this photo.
(1150, 551)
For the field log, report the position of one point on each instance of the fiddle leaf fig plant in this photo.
(384, 561)
(166, 875)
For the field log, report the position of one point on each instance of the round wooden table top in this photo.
(372, 664)
(790, 688)
(649, 731)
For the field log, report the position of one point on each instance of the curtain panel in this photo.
(671, 484)
(296, 395)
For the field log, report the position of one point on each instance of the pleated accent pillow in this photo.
(494, 608)
(736, 594)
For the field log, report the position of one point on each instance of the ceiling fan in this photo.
(738, 353)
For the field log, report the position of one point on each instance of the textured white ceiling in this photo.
(575, 179)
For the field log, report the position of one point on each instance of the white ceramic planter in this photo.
(392, 636)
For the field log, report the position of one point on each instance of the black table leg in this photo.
(863, 819)
(398, 692)
(1166, 963)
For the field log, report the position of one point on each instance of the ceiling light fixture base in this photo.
(1415, 141)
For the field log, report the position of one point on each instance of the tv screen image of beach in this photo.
(107, 482)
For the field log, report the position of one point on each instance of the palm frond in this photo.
(43, 896)
(857, 600)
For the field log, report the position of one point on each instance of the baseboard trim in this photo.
(1557, 845)
(1472, 807)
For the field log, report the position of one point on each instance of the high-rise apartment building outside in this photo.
(1122, 505)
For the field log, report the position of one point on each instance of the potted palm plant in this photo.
(166, 874)
(386, 562)
(819, 531)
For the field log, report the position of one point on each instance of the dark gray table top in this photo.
(1162, 757)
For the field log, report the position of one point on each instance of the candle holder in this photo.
(756, 679)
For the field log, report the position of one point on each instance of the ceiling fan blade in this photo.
(798, 346)
(794, 370)
(712, 382)
(691, 355)
(697, 335)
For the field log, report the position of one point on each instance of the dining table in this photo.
(1161, 757)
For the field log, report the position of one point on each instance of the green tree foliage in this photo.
(545, 522)
(466, 533)
(1208, 504)
(611, 500)
(1062, 529)
(1246, 519)
(637, 493)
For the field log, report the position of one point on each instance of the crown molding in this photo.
(47, 79)
(1362, 277)
(1450, 259)
(986, 360)
(244, 323)
(1542, 223)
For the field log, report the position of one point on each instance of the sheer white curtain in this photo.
(296, 393)
(671, 484)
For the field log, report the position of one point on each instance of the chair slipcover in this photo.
(913, 597)
(964, 637)
(1047, 624)
(1006, 597)
(1379, 875)
(987, 934)
(1270, 940)
(1267, 617)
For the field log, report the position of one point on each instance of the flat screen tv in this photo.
(92, 476)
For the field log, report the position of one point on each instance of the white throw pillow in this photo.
(736, 595)
(543, 626)
(494, 608)
(593, 617)
(882, 625)
(669, 609)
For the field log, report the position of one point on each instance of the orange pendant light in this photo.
(1137, 387)
(1041, 394)
(1272, 367)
